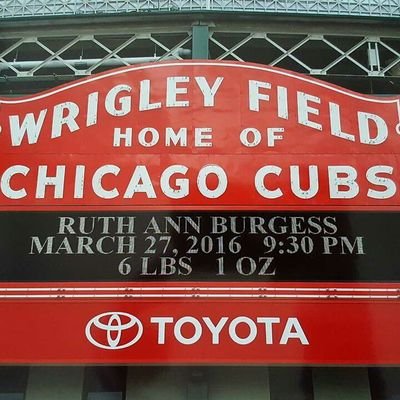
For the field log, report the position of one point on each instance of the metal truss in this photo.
(86, 54)
(313, 54)
(371, 8)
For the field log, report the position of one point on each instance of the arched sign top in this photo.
(231, 96)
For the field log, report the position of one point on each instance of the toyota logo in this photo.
(114, 330)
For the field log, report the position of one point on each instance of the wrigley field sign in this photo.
(256, 136)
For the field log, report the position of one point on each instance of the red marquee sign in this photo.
(146, 178)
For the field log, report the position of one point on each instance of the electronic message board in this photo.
(160, 212)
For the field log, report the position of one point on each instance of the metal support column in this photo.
(227, 383)
(55, 383)
(197, 386)
(341, 383)
(155, 383)
(200, 42)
